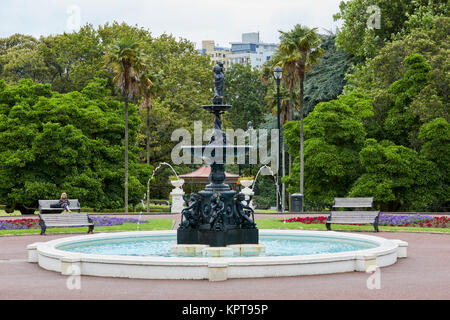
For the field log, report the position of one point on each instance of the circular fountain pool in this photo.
(147, 254)
(151, 245)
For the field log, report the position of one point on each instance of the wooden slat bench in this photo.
(44, 206)
(353, 216)
(65, 220)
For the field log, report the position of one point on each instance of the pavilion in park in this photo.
(201, 175)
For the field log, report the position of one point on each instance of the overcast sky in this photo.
(196, 20)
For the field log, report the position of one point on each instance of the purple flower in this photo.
(112, 221)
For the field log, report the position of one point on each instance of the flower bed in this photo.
(308, 220)
(392, 220)
(34, 223)
(415, 220)
(113, 221)
(19, 224)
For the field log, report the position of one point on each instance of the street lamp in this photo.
(277, 74)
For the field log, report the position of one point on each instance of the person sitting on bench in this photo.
(63, 203)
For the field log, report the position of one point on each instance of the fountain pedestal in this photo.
(218, 238)
(177, 196)
(248, 192)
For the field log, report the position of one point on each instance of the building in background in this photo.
(251, 50)
(216, 53)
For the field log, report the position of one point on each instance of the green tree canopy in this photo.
(326, 79)
(401, 125)
(363, 38)
(435, 136)
(334, 135)
(52, 143)
(396, 177)
(245, 92)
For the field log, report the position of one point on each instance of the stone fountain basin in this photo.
(48, 256)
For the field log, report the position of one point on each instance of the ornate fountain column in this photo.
(217, 216)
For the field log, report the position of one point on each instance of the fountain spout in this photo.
(153, 174)
(273, 175)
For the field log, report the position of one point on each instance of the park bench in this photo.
(45, 206)
(353, 216)
(160, 202)
(52, 217)
(65, 220)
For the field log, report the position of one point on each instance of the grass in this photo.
(265, 223)
(276, 223)
(152, 224)
(265, 211)
(153, 209)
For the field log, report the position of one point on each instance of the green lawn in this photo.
(275, 223)
(153, 209)
(152, 224)
(265, 223)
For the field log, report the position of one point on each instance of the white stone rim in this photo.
(386, 253)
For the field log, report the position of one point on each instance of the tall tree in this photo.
(72, 142)
(286, 58)
(245, 91)
(396, 177)
(326, 80)
(125, 59)
(303, 43)
(334, 135)
(150, 86)
(369, 24)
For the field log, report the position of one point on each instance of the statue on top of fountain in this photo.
(219, 82)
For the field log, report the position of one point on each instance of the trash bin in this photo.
(297, 202)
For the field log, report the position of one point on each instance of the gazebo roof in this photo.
(201, 176)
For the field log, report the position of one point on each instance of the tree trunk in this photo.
(283, 185)
(302, 76)
(126, 154)
(289, 167)
(148, 153)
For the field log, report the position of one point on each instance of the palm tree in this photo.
(285, 102)
(286, 58)
(150, 87)
(303, 43)
(125, 59)
(150, 83)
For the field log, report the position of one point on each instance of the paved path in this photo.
(423, 275)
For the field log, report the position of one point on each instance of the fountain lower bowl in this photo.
(49, 256)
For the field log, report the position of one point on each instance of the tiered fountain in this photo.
(217, 216)
(218, 235)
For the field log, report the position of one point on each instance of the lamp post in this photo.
(278, 73)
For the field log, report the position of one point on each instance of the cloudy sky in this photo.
(196, 20)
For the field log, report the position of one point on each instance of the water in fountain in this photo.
(140, 215)
(159, 166)
(274, 181)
